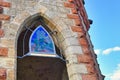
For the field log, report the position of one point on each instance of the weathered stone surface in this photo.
(11, 52)
(70, 41)
(77, 69)
(21, 17)
(7, 42)
(67, 33)
(10, 74)
(73, 50)
(12, 30)
(7, 62)
(40, 8)
(72, 59)
(75, 77)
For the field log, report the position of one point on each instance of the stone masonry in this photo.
(67, 17)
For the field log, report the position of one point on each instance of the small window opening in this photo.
(37, 40)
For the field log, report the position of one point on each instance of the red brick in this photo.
(4, 17)
(82, 12)
(3, 51)
(77, 28)
(70, 0)
(1, 33)
(69, 5)
(5, 4)
(80, 34)
(86, 50)
(82, 58)
(0, 24)
(74, 11)
(87, 23)
(89, 77)
(83, 41)
(1, 9)
(2, 74)
(91, 67)
(73, 16)
(78, 22)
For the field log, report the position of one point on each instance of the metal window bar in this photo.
(28, 29)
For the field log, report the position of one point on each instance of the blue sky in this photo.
(105, 35)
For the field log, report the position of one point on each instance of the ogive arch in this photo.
(30, 23)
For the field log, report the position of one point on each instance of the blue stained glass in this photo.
(41, 42)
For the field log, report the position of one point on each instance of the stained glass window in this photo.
(41, 43)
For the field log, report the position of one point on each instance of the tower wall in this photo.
(68, 18)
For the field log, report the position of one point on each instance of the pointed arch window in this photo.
(41, 43)
(36, 41)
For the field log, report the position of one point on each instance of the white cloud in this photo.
(97, 51)
(109, 50)
(116, 74)
(116, 49)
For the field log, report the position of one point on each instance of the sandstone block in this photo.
(73, 50)
(77, 69)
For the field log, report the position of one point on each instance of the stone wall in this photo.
(59, 15)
